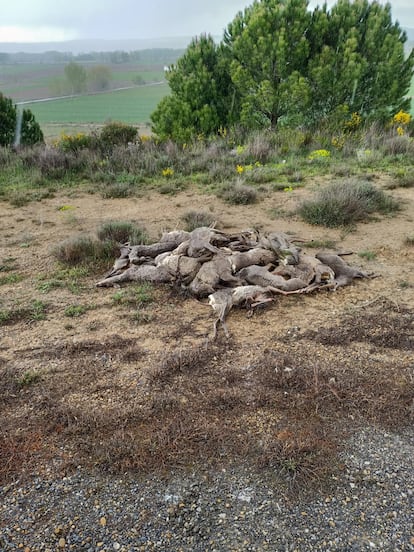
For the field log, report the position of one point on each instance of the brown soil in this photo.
(144, 391)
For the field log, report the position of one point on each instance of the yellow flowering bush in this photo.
(168, 172)
(319, 154)
(338, 142)
(354, 122)
(74, 142)
(401, 118)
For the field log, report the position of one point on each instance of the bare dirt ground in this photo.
(140, 387)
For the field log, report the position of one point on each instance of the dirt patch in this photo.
(126, 387)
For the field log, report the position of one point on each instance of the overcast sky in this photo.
(55, 20)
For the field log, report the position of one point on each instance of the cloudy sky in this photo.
(55, 20)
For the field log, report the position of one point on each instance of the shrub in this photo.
(238, 194)
(74, 311)
(117, 190)
(122, 232)
(345, 203)
(259, 147)
(74, 142)
(194, 219)
(397, 145)
(83, 249)
(117, 134)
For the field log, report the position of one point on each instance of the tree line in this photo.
(146, 56)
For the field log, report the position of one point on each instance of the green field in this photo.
(131, 106)
(27, 81)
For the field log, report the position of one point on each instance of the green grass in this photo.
(134, 105)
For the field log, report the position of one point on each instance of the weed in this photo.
(73, 311)
(28, 378)
(117, 190)
(48, 285)
(172, 187)
(345, 203)
(19, 198)
(118, 297)
(238, 194)
(122, 232)
(84, 249)
(141, 317)
(194, 219)
(12, 278)
(37, 310)
(403, 181)
(141, 294)
(8, 265)
(368, 255)
(5, 316)
(319, 244)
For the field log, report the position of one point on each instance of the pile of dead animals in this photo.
(243, 269)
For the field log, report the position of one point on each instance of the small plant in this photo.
(28, 378)
(117, 190)
(84, 249)
(345, 203)
(122, 232)
(168, 172)
(318, 155)
(118, 297)
(194, 219)
(172, 187)
(74, 143)
(19, 198)
(48, 285)
(8, 265)
(401, 118)
(142, 317)
(319, 244)
(141, 295)
(73, 311)
(37, 310)
(238, 194)
(12, 278)
(368, 255)
(404, 284)
(5, 316)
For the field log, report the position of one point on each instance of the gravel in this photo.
(369, 507)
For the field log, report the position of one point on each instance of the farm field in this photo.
(130, 106)
(26, 81)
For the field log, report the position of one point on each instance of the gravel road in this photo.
(370, 507)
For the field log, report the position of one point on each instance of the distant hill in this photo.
(83, 46)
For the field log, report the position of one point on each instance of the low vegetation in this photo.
(346, 203)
